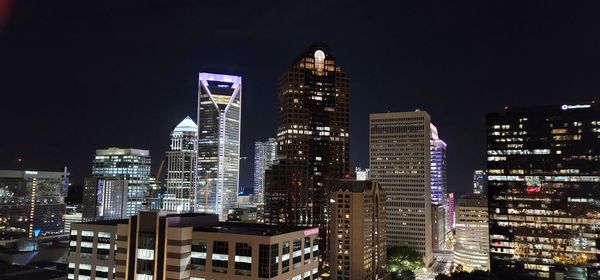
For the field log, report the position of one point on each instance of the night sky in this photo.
(80, 75)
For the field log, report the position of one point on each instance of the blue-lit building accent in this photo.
(439, 183)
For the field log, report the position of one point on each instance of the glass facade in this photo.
(219, 122)
(544, 192)
(265, 155)
(312, 141)
(32, 203)
(119, 184)
(480, 182)
(439, 183)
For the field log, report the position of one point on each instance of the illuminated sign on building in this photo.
(311, 231)
(578, 106)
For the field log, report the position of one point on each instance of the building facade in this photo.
(219, 123)
(399, 160)
(312, 139)
(265, 155)
(472, 245)
(358, 225)
(119, 184)
(191, 246)
(480, 182)
(543, 168)
(32, 203)
(182, 168)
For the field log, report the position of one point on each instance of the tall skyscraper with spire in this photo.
(180, 196)
(219, 121)
(312, 137)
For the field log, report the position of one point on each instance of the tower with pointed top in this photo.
(219, 122)
(180, 196)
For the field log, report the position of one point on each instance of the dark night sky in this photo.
(81, 75)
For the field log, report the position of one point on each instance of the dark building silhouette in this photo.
(312, 139)
(544, 192)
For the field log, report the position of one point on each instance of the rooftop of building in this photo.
(574, 108)
(250, 229)
(352, 185)
(32, 174)
(114, 151)
(187, 125)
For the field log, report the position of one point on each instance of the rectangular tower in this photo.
(358, 225)
(472, 246)
(313, 141)
(32, 203)
(544, 192)
(219, 122)
(400, 160)
(265, 155)
(119, 184)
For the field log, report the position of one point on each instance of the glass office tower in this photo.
(313, 141)
(119, 184)
(480, 182)
(544, 192)
(219, 122)
(265, 155)
(32, 203)
(180, 196)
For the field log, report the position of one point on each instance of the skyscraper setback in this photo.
(182, 168)
(399, 159)
(543, 191)
(219, 121)
(265, 155)
(312, 137)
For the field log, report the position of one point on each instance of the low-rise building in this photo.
(191, 246)
(472, 247)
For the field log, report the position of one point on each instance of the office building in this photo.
(400, 160)
(471, 248)
(357, 245)
(180, 196)
(439, 186)
(190, 246)
(265, 155)
(73, 215)
(312, 140)
(219, 122)
(543, 168)
(362, 174)
(32, 203)
(119, 184)
(450, 221)
(480, 182)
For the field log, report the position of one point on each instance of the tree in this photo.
(400, 259)
(406, 275)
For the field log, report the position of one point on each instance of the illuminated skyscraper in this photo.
(480, 182)
(400, 160)
(471, 249)
(32, 203)
(439, 182)
(219, 120)
(312, 135)
(119, 184)
(180, 196)
(544, 192)
(265, 155)
(358, 246)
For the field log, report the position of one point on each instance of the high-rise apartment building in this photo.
(312, 139)
(472, 245)
(180, 195)
(219, 122)
(544, 191)
(119, 184)
(32, 203)
(190, 246)
(357, 224)
(480, 182)
(400, 161)
(265, 155)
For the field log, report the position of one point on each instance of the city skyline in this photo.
(475, 60)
